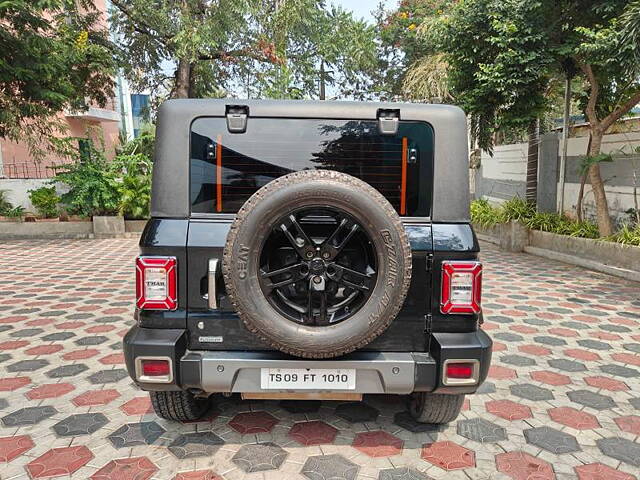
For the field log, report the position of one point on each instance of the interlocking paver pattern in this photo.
(562, 400)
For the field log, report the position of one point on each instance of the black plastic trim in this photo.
(427, 376)
(155, 342)
(470, 345)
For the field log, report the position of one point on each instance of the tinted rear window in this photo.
(226, 169)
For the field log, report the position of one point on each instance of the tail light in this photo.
(461, 287)
(156, 283)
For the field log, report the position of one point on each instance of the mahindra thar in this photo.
(308, 250)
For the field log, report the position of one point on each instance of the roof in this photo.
(170, 195)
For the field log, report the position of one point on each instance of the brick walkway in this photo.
(562, 400)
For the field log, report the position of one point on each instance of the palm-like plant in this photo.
(631, 25)
(427, 79)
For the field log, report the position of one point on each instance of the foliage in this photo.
(631, 27)
(634, 216)
(93, 190)
(428, 79)
(486, 215)
(267, 49)
(133, 174)
(5, 205)
(629, 235)
(142, 144)
(119, 187)
(517, 209)
(54, 54)
(497, 59)
(404, 57)
(46, 201)
(15, 212)
(588, 160)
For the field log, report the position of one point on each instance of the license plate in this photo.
(308, 379)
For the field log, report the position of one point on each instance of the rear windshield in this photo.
(226, 168)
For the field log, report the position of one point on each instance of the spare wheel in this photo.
(317, 263)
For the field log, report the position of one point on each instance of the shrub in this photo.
(93, 189)
(15, 212)
(143, 144)
(45, 200)
(5, 205)
(516, 209)
(628, 235)
(484, 214)
(584, 229)
(134, 185)
(547, 222)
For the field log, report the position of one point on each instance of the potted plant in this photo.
(45, 200)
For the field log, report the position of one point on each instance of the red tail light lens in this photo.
(461, 287)
(155, 368)
(459, 370)
(156, 283)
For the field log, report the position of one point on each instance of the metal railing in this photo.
(46, 169)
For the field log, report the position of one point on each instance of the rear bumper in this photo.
(239, 371)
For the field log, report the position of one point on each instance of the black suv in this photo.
(308, 250)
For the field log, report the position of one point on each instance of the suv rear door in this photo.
(227, 168)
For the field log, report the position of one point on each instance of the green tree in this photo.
(502, 55)
(408, 67)
(497, 65)
(54, 55)
(596, 43)
(318, 47)
(268, 48)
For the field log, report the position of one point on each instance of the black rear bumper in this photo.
(239, 371)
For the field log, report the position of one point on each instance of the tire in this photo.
(180, 406)
(256, 220)
(435, 407)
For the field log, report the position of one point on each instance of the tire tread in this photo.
(178, 405)
(439, 408)
(304, 176)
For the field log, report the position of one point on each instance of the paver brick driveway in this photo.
(562, 400)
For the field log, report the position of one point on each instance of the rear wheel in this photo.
(435, 407)
(180, 406)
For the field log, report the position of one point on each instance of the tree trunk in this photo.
(532, 162)
(192, 81)
(583, 180)
(602, 207)
(182, 80)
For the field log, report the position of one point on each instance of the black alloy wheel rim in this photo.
(318, 266)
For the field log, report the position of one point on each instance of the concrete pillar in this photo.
(548, 172)
(108, 227)
(513, 236)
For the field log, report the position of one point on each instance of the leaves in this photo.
(133, 174)
(486, 215)
(119, 187)
(587, 161)
(249, 47)
(54, 55)
(46, 201)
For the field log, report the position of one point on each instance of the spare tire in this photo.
(317, 263)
